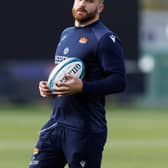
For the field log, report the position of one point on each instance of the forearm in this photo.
(112, 84)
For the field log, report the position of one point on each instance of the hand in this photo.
(44, 90)
(73, 85)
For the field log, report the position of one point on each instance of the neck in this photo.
(79, 24)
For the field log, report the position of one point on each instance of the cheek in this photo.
(75, 5)
(92, 9)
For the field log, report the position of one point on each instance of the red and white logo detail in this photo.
(83, 40)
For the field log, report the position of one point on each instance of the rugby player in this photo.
(76, 132)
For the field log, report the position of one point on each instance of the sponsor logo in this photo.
(82, 163)
(66, 51)
(34, 162)
(83, 40)
(59, 58)
(74, 70)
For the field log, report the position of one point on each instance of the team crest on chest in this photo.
(83, 40)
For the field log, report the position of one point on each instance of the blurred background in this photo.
(29, 32)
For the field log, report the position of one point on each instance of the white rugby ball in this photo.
(73, 66)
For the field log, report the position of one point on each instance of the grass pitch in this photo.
(137, 138)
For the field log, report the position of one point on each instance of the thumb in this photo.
(68, 76)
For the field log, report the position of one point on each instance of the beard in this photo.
(85, 17)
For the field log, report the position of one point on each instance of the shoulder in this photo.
(110, 43)
(103, 33)
(67, 30)
(107, 40)
(99, 30)
(111, 38)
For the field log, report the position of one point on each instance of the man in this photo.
(76, 131)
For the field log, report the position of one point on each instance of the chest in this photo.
(76, 44)
(82, 45)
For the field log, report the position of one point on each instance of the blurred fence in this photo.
(153, 60)
(146, 82)
(155, 66)
(19, 82)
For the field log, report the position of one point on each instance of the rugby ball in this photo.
(73, 66)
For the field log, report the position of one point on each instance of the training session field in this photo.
(137, 137)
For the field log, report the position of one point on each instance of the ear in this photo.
(100, 8)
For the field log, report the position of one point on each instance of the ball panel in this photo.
(73, 66)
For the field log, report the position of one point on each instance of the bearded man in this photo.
(76, 132)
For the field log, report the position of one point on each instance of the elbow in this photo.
(121, 86)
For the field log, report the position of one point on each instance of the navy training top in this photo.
(101, 51)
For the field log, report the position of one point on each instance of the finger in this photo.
(43, 83)
(57, 83)
(61, 89)
(62, 93)
(68, 76)
(60, 84)
(44, 89)
(43, 94)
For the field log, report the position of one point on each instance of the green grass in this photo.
(137, 138)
